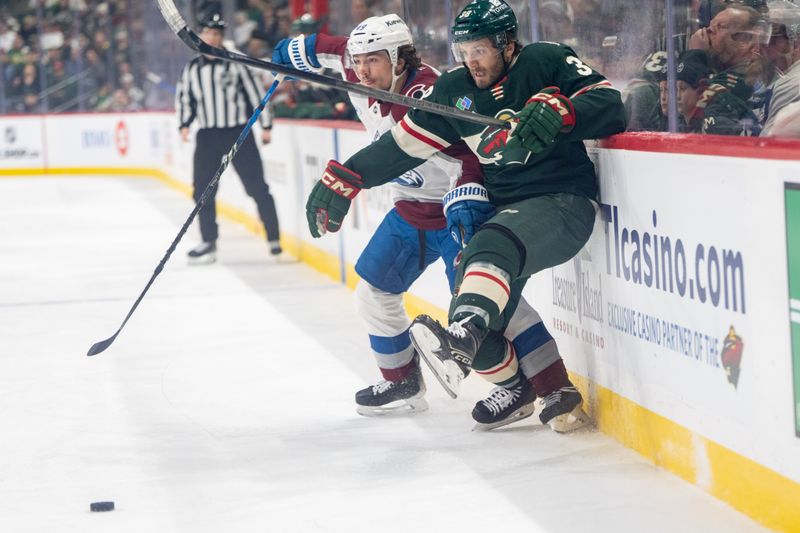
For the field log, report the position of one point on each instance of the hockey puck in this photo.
(101, 507)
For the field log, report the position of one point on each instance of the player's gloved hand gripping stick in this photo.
(545, 115)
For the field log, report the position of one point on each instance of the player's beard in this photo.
(485, 77)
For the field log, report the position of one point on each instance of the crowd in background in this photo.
(67, 55)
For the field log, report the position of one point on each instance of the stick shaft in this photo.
(178, 25)
(226, 159)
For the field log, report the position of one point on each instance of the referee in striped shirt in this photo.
(221, 97)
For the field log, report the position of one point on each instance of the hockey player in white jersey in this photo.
(380, 53)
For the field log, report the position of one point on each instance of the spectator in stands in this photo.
(692, 79)
(258, 45)
(243, 29)
(643, 94)
(301, 99)
(731, 42)
(555, 22)
(663, 103)
(121, 102)
(284, 18)
(64, 94)
(783, 116)
(708, 106)
(103, 36)
(135, 95)
(269, 25)
(7, 34)
(362, 10)
(99, 70)
(29, 89)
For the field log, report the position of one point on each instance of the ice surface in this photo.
(226, 404)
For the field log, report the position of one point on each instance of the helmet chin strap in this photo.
(395, 86)
(506, 64)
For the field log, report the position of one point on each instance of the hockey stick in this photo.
(178, 25)
(226, 159)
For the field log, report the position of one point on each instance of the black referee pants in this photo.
(212, 144)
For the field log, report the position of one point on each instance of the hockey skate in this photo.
(447, 352)
(394, 397)
(562, 410)
(275, 248)
(504, 406)
(203, 254)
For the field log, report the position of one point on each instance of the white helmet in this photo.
(374, 34)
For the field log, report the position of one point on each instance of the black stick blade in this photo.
(101, 346)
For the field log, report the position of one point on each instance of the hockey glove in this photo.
(298, 52)
(466, 208)
(545, 115)
(330, 199)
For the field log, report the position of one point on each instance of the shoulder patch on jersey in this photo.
(411, 178)
(419, 91)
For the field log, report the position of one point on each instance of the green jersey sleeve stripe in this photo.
(601, 85)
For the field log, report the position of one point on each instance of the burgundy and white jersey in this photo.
(418, 193)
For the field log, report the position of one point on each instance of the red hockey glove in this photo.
(545, 115)
(330, 199)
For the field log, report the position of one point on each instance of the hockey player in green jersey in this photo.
(538, 176)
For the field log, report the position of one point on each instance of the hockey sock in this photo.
(491, 262)
(483, 293)
(399, 374)
(550, 379)
(496, 361)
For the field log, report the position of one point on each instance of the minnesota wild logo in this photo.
(732, 348)
(492, 144)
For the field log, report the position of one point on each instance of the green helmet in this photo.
(485, 18)
(305, 24)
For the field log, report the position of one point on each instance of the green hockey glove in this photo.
(330, 199)
(545, 115)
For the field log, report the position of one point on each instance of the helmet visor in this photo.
(474, 50)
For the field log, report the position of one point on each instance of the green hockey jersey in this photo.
(510, 175)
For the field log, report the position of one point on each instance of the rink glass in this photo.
(616, 37)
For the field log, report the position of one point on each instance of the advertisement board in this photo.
(681, 315)
(21, 142)
(110, 140)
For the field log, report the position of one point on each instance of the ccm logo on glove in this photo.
(559, 103)
(330, 198)
(338, 185)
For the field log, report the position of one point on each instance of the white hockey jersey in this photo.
(418, 193)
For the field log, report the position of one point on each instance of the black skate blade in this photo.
(569, 422)
(408, 407)
(450, 392)
(435, 365)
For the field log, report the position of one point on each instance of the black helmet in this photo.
(213, 21)
(485, 18)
